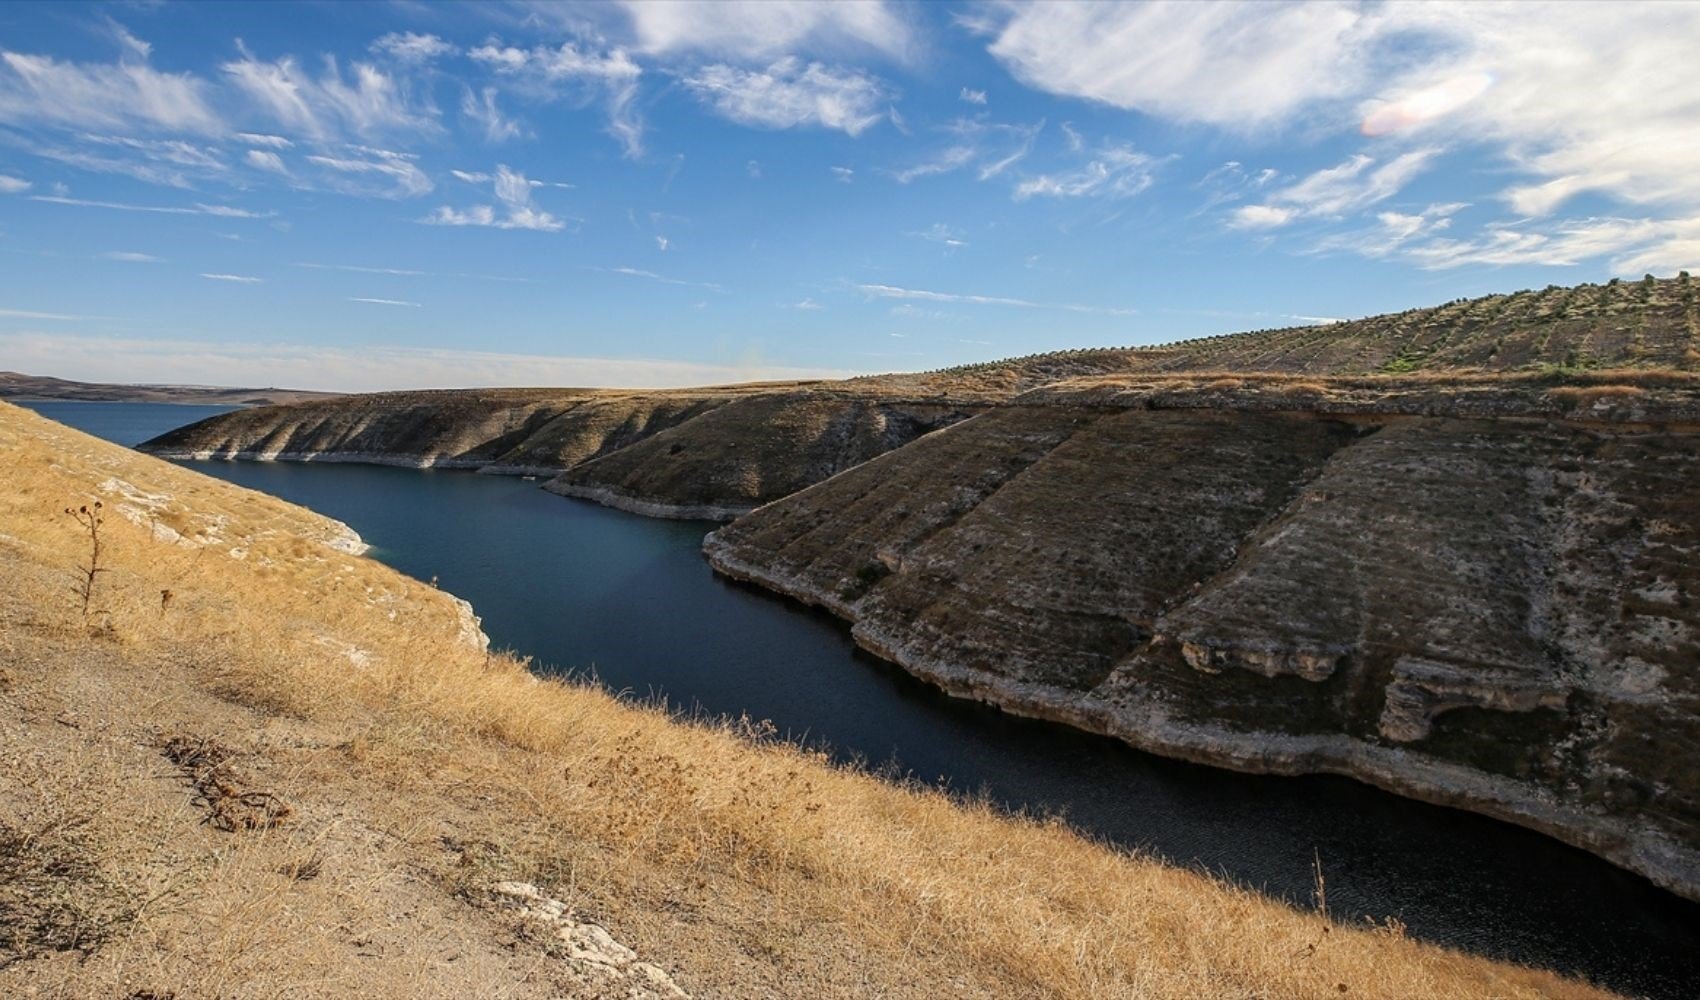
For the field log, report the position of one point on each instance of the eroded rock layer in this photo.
(1500, 614)
(712, 453)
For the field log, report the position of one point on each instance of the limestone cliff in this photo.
(1492, 602)
(712, 453)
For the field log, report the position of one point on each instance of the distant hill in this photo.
(1647, 325)
(18, 386)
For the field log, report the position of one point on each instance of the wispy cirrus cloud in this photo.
(221, 211)
(13, 185)
(1114, 171)
(513, 190)
(634, 272)
(1426, 239)
(385, 302)
(482, 108)
(790, 93)
(412, 47)
(939, 232)
(367, 102)
(265, 159)
(1351, 186)
(990, 148)
(923, 295)
(410, 272)
(42, 90)
(261, 139)
(577, 71)
(397, 174)
(168, 162)
(757, 29)
(131, 257)
(48, 316)
(239, 279)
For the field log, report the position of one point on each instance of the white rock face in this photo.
(589, 949)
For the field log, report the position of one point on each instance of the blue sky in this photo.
(361, 196)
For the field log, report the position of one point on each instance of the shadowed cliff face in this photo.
(713, 453)
(752, 451)
(1501, 614)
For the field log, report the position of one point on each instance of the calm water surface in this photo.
(583, 588)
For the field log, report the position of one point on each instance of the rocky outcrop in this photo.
(752, 451)
(710, 453)
(1501, 614)
(601, 965)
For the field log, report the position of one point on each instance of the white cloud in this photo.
(544, 71)
(1111, 172)
(27, 314)
(754, 29)
(1632, 246)
(753, 170)
(387, 302)
(264, 159)
(808, 305)
(1234, 65)
(412, 47)
(227, 212)
(632, 272)
(662, 243)
(1575, 97)
(789, 93)
(973, 96)
(1581, 96)
(482, 108)
(128, 42)
(938, 232)
(398, 175)
(13, 185)
(261, 139)
(564, 62)
(131, 257)
(513, 190)
(407, 272)
(365, 368)
(241, 279)
(894, 292)
(843, 175)
(1336, 191)
(990, 147)
(171, 162)
(105, 96)
(222, 211)
(1263, 216)
(945, 161)
(367, 104)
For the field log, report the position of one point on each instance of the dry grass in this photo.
(420, 770)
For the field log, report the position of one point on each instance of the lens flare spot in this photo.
(1422, 106)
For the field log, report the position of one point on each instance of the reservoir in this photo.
(629, 600)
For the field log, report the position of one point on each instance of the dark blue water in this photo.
(584, 588)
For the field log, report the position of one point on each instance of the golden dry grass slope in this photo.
(262, 765)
